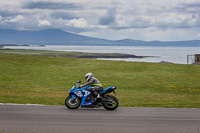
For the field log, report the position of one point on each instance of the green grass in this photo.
(33, 79)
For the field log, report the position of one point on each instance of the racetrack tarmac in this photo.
(59, 119)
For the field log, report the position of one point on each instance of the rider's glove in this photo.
(81, 86)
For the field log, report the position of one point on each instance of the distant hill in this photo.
(48, 37)
(190, 43)
(58, 37)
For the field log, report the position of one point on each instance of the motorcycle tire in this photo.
(72, 104)
(111, 106)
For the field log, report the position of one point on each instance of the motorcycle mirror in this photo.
(79, 81)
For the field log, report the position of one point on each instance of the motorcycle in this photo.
(84, 98)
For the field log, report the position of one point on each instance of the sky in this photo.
(148, 20)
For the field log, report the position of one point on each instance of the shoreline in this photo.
(69, 54)
(111, 55)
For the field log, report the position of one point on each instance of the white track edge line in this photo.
(22, 104)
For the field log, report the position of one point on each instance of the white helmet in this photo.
(88, 76)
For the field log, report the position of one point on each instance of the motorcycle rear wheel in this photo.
(72, 104)
(113, 105)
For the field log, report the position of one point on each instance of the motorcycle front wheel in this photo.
(111, 105)
(72, 104)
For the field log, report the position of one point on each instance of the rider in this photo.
(96, 86)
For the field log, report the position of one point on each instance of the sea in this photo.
(176, 55)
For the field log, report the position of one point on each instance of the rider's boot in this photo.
(97, 98)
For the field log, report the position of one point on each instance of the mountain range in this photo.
(58, 37)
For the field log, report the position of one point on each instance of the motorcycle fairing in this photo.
(108, 90)
(83, 102)
(82, 94)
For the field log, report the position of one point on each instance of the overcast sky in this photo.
(164, 20)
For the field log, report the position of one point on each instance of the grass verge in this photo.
(33, 79)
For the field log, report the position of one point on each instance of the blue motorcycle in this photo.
(84, 98)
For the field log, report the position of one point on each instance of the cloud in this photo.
(113, 19)
(18, 18)
(63, 15)
(189, 7)
(155, 14)
(43, 23)
(78, 23)
(108, 18)
(51, 5)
